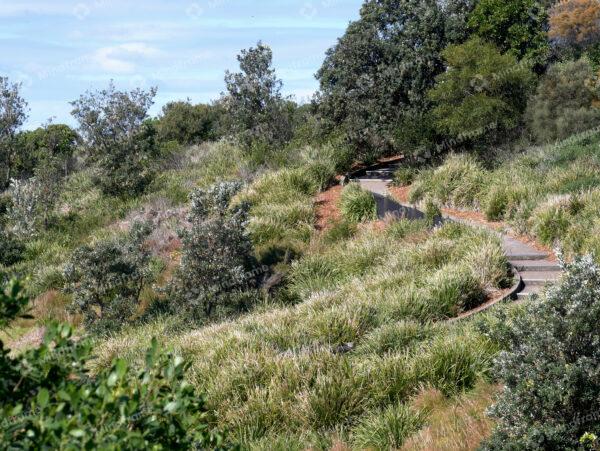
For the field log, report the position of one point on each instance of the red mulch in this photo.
(327, 207)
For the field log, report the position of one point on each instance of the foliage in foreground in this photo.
(51, 401)
(550, 370)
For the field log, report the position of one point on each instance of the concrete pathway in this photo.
(535, 268)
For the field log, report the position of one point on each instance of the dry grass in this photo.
(458, 424)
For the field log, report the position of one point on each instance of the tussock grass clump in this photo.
(457, 183)
(282, 213)
(387, 429)
(342, 364)
(357, 204)
(405, 175)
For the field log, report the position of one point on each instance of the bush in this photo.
(357, 204)
(551, 223)
(405, 175)
(565, 102)
(11, 249)
(106, 279)
(457, 183)
(187, 123)
(432, 211)
(24, 212)
(387, 429)
(217, 268)
(339, 231)
(257, 112)
(502, 201)
(552, 387)
(49, 400)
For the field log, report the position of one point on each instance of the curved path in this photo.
(535, 268)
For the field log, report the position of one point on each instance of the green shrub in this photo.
(396, 337)
(217, 268)
(49, 400)
(387, 429)
(551, 396)
(432, 211)
(107, 279)
(357, 204)
(404, 227)
(453, 290)
(454, 362)
(517, 27)
(405, 175)
(457, 183)
(187, 123)
(11, 249)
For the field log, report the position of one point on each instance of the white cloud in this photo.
(121, 58)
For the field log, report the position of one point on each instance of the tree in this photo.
(188, 124)
(254, 102)
(217, 265)
(481, 92)
(515, 26)
(44, 160)
(551, 395)
(373, 81)
(53, 144)
(13, 114)
(49, 399)
(565, 102)
(456, 17)
(107, 279)
(119, 141)
(575, 23)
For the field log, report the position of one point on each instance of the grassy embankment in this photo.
(347, 361)
(551, 193)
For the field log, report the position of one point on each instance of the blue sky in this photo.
(58, 48)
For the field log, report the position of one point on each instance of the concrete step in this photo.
(528, 291)
(535, 265)
(380, 173)
(525, 256)
(540, 277)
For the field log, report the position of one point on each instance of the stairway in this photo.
(536, 268)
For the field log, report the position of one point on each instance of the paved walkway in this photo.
(534, 267)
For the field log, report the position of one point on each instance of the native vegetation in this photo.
(199, 227)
